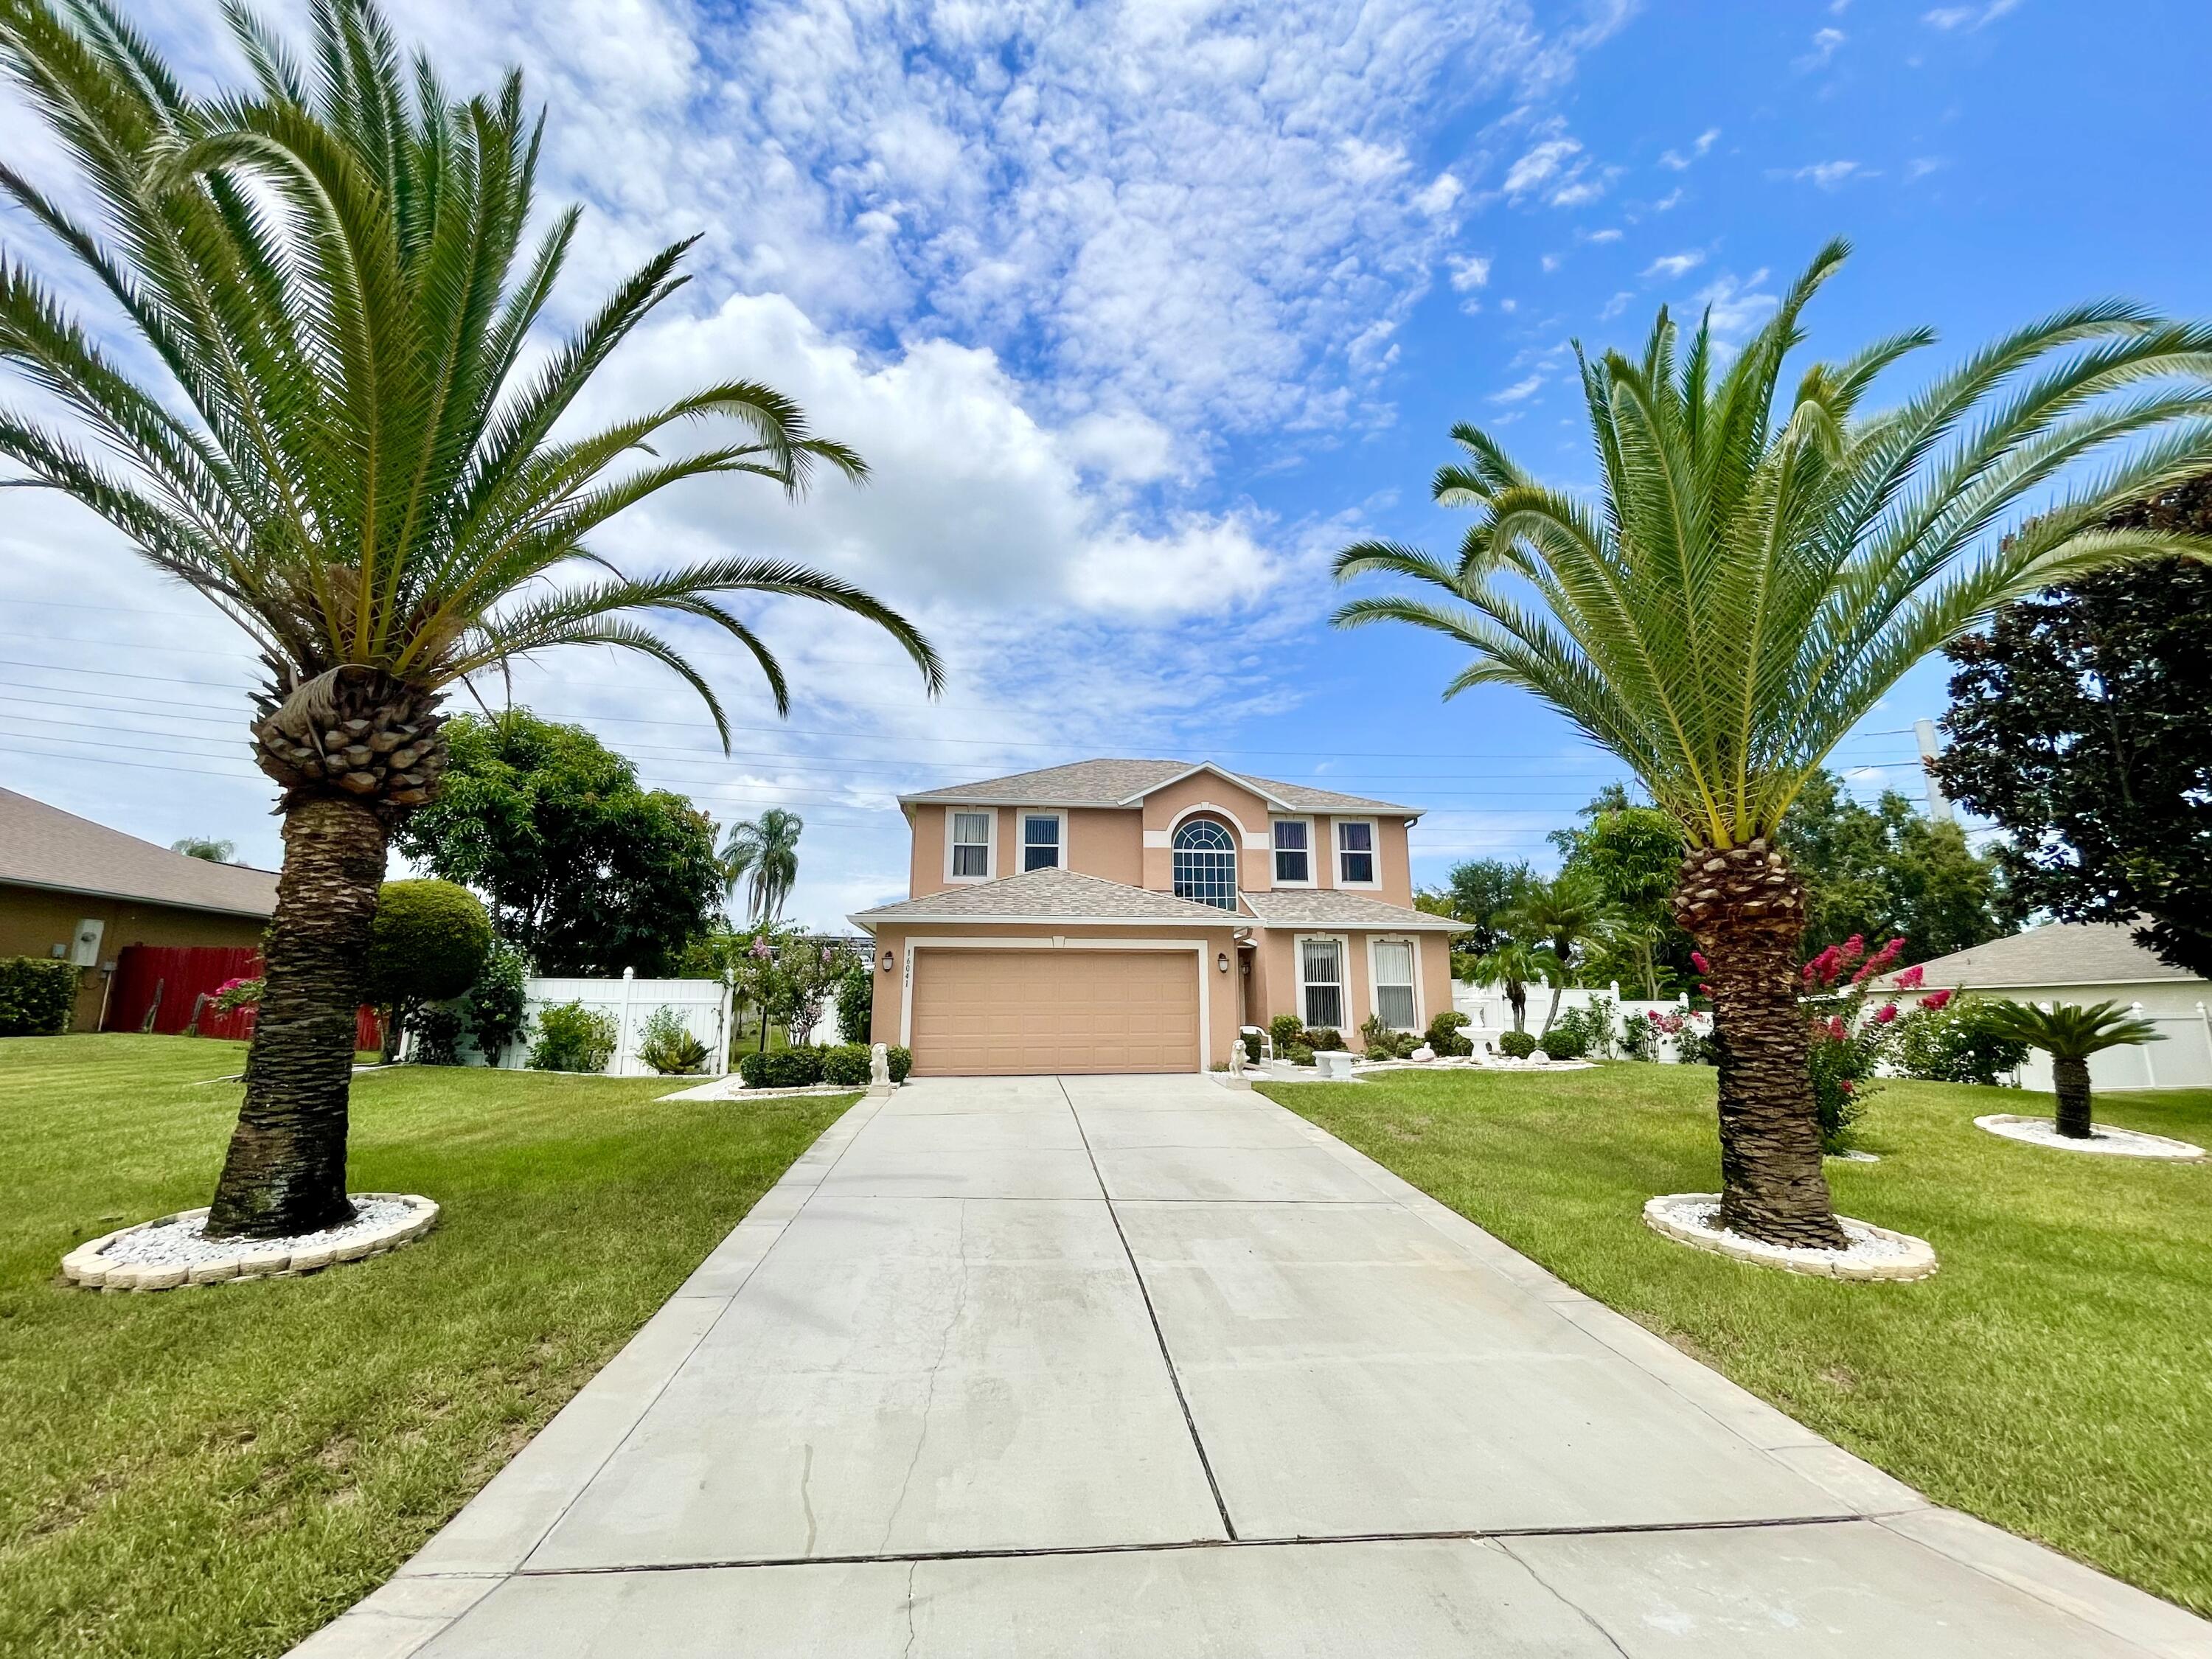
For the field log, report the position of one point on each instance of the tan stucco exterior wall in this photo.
(1222, 990)
(33, 920)
(1236, 805)
(1107, 842)
(1275, 976)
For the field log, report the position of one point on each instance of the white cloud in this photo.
(1539, 165)
(1442, 192)
(1550, 263)
(1469, 270)
(1825, 44)
(1670, 201)
(1967, 17)
(1736, 307)
(1921, 166)
(1831, 175)
(1675, 264)
(1615, 306)
(1519, 390)
(1607, 236)
(1678, 162)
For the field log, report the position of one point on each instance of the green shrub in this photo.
(1285, 1029)
(497, 1004)
(1564, 1042)
(782, 1068)
(667, 1044)
(1516, 1045)
(438, 1034)
(1251, 1040)
(856, 997)
(1298, 1054)
(1639, 1040)
(1948, 1043)
(901, 1062)
(37, 995)
(428, 943)
(1323, 1037)
(1591, 1028)
(1383, 1043)
(573, 1038)
(1443, 1035)
(846, 1066)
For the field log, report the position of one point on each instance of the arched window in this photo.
(1205, 864)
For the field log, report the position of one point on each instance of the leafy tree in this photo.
(587, 871)
(1758, 568)
(1633, 854)
(1883, 870)
(428, 943)
(856, 1000)
(2069, 1035)
(2078, 724)
(1567, 916)
(761, 854)
(344, 436)
(204, 846)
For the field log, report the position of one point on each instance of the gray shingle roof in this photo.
(42, 845)
(1049, 895)
(2062, 953)
(1298, 906)
(1117, 783)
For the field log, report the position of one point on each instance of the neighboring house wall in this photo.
(1223, 1013)
(33, 920)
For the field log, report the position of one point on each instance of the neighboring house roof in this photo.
(42, 845)
(1320, 908)
(1126, 782)
(1049, 895)
(2060, 954)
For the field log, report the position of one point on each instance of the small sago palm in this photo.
(762, 855)
(2069, 1034)
(1514, 964)
(1755, 571)
(339, 444)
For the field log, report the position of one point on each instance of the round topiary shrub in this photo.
(1516, 1045)
(1443, 1034)
(1564, 1042)
(752, 1070)
(428, 943)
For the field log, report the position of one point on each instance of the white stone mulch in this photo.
(1284, 1072)
(732, 1087)
(1693, 1219)
(2112, 1143)
(174, 1250)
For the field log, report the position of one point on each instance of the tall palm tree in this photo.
(2069, 1034)
(1514, 964)
(761, 854)
(1565, 912)
(1755, 572)
(345, 452)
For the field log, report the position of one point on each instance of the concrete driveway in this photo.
(1141, 1366)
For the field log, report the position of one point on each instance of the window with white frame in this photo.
(1393, 984)
(971, 846)
(1294, 851)
(1205, 864)
(1040, 837)
(1355, 853)
(1320, 982)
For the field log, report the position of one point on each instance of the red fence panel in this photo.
(171, 981)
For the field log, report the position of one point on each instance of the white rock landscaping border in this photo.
(2111, 1143)
(91, 1266)
(1875, 1252)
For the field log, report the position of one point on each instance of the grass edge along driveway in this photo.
(221, 1471)
(2054, 1377)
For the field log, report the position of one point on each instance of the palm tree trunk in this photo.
(1745, 910)
(1517, 994)
(1551, 1013)
(285, 1173)
(2070, 1078)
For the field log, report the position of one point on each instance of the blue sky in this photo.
(1140, 312)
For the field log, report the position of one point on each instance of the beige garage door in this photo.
(1000, 1012)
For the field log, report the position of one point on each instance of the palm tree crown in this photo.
(347, 457)
(1754, 573)
(2067, 1031)
(762, 854)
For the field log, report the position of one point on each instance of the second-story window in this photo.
(1355, 853)
(1205, 864)
(971, 845)
(1293, 851)
(1041, 842)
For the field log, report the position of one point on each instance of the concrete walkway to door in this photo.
(1141, 1366)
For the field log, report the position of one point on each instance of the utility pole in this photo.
(1939, 803)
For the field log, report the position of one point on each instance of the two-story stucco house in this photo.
(1130, 915)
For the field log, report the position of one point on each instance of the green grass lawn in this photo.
(219, 1471)
(2055, 1377)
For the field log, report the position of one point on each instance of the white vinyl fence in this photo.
(2182, 1060)
(703, 1006)
(1490, 1012)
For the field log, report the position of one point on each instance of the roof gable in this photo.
(1125, 783)
(2059, 954)
(42, 845)
(1053, 894)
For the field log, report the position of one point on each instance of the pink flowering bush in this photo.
(239, 993)
(1848, 1039)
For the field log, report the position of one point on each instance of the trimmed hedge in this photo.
(1516, 1045)
(802, 1068)
(1565, 1041)
(846, 1066)
(37, 995)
